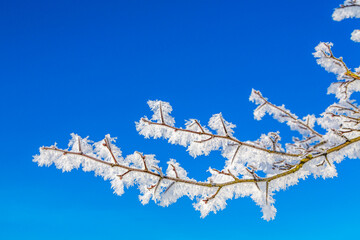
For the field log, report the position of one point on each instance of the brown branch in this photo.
(79, 145)
(157, 185)
(327, 160)
(331, 55)
(347, 83)
(289, 115)
(340, 134)
(236, 178)
(351, 129)
(267, 192)
(161, 174)
(306, 139)
(340, 60)
(255, 177)
(341, 108)
(236, 151)
(222, 137)
(161, 114)
(129, 168)
(170, 186)
(213, 196)
(202, 130)
(152, 186)
(107, 144)
(223, 124)
(205, 140)
(198, 124)
(174, 169)
(226, 174)
(274, 141)
(143, 159)
(351, 5)
(353, 105)
(122, 175)
(296, 167)
(344, 116)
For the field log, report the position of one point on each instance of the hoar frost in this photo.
(255, 169)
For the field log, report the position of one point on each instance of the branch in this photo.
(122, 175)
(221, 137)
(213, 196)
(296, 167)
(79, 143)
(143, 159)
(176, 174)
(340, 60)
(287, 114)
(226, 174)
(236, 151)
(161, 114)
(107, 144)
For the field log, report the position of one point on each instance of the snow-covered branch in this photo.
(280, 113)
(256, 169)
(348, 80)
(350, 9)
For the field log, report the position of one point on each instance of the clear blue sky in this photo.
(90, 66)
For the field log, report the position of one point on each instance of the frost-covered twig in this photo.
(213, 136)
(282, 115)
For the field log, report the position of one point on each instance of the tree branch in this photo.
(296, 167)
(305, 126)
(107, 145)
(221, 137)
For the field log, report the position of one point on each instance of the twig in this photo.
(176, 174)
(213, 196)
(79, 143)
(107, 144)
(143, 159)
(122, 175)
(236, 151)
(289, 115)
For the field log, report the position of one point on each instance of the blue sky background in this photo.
(90, 66)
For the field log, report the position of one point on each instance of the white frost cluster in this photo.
(260, 159)
(350, 9)
(348, 82)
(355, 36)
(255, 169)
(324, 58)
(280, 113)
